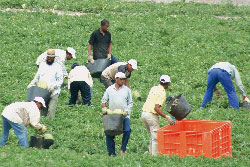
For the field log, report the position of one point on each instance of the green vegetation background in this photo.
(179, 39)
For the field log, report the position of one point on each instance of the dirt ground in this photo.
(235, 2)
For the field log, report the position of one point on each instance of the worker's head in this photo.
(70, 53)
(119, 78)
(50, 56)
(104, 25)
(74, 65)
(132, 65)
(165, 81)
(39, 102)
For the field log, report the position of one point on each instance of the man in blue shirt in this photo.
(119, 97)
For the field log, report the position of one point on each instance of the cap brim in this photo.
(135, 68)
(44, 105)
(51, 55)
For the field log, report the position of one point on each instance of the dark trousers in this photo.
(126, 135)
(114, 59)
(85, 90)
(106, 82)
(218, 75)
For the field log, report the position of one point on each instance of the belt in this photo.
(151, 112)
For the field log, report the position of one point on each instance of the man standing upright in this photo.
(119, 97)
(152, 108)
(100, 41)
(50, 73)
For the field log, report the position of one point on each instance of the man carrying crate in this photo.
(152, 108)
(119, 97)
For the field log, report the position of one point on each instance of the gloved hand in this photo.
(51, 89)
(91, 59)
(43, 129)
(217, 93)
(125, 113)
(173, 120)
(109, 56)
(246, 99)
(170, 120)
(104, 110)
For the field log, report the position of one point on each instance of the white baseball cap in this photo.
(133, 63)
(40, 100)
(72, 52)
(120, 75)
(165, 79)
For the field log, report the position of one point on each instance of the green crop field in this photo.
(182, 40)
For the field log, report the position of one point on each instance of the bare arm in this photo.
(110, 48)
(159, 111)
(89, 49)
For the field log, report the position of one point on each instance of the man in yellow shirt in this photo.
(152, 108)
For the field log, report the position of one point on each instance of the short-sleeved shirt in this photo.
(100, 44)
(110, 71)
(157, 95)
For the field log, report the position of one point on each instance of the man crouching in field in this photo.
(19, 115)
(152, 108)
(119, 97)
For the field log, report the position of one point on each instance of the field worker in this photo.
(108, 75)
(18, 115)
(50, 72)
(152, 108)
(80, 80)
(61, 57)
(100, 41)
(119, 97)
(224, 72)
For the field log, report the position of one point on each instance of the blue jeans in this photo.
(218, 75)
(19, 129)
(126, 135)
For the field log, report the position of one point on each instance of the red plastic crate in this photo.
(196, 138)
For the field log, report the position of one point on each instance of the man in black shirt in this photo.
(101, 42)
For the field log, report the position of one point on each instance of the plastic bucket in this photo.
(113, 124)
(40, 142)
(98, 67)
(181, 109)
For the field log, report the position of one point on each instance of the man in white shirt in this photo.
(80, 80)
(61, 57)
(19, 115)
(224, 72)
(50, 74)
